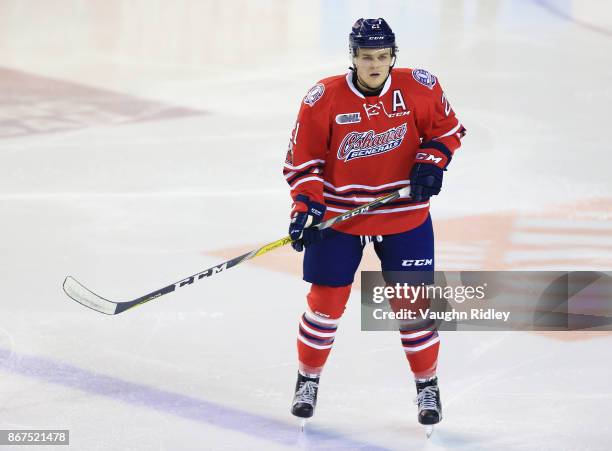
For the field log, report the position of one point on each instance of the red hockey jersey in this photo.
(347, 149)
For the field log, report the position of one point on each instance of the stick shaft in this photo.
(86, 297)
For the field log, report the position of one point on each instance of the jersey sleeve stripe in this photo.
(349, 198)
(369, 194)
(357, 200)
(294, 176)
(366, 187)
(453, 131)
(307, 179)
(303, 165)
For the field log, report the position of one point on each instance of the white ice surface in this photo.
(129, 208)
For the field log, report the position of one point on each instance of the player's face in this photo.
(373, 66)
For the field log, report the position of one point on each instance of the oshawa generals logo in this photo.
(367, 144)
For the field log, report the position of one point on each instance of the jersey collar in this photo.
(349, 81)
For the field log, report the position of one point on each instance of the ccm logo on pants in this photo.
(424, 262)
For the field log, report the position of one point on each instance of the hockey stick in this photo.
(88, 298)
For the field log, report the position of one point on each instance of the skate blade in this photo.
(302, 424)
(429, 430)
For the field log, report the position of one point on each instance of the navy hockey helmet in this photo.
(371, 34)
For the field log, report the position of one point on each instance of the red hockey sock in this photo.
(420, 339)
(318, 325)
(421, 348)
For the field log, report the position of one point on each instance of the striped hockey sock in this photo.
(421, 348)
(318, 325)
(315, 340)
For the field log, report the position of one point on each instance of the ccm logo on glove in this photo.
(422, 156)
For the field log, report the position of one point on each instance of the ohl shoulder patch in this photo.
(314, 94)
(424, 78)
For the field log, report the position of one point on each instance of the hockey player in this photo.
(358, 136)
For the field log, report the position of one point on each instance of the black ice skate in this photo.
(428, 400)
(305, 398)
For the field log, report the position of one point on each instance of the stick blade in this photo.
(88, 298)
